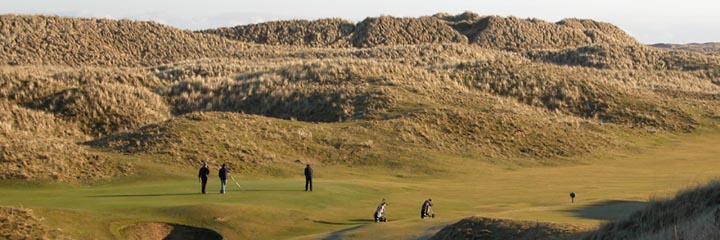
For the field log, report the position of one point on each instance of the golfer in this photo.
(379, 214)
(308, 177)
(203, 176)
(223, 174)
(426, 209)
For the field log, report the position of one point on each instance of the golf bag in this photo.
(379, 218)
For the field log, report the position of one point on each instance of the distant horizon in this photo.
(650, 22)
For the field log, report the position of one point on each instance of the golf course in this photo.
(609, 186)
(105, 125)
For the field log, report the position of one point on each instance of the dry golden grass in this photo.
(492, 229)
(515, 34)
(639, 57)
(37, 146)
(415, 86)
(385, 30)
(19, 223)
(692, 214)
(49, 40)
(101, 109)
(707, 48)
(318, 33)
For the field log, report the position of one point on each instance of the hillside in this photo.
(505, 33)
(692, 214)
(49, 40)
(104, 122)
(318, 33)
(18, 223)
(492, 229)
(709, 48)
(414, 86)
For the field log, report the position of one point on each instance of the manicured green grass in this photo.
(607, 185)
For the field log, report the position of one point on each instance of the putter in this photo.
(236, 183)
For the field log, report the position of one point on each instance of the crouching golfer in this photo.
(426, 210)
(380, 212)
(203, 176)
(308, 177)
(223, 174)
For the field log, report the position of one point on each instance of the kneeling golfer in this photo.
(223, 174)
(426, 210)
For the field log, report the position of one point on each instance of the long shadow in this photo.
(361, 220)
(608, 210)
(263, 190)
(340, 234)
(144, 195)
(334, 223)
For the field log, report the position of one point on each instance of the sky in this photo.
(658, 21)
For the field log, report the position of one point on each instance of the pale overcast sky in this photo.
(649, 21)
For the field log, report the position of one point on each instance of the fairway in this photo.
(344, 199)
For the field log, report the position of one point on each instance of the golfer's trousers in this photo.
(308, 182)
(204, 183)
(223, 184)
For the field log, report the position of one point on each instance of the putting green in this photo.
(607, 187)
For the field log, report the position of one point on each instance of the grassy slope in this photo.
(270, 207)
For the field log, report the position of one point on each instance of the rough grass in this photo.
(20, 223)
(486, 228)
(387, 30)
(707, 48)
(318, 33)
(49, 40)
(101, 109)
(639, 57)
(441, 97)
(692, 214)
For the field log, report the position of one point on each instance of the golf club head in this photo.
(432, 215)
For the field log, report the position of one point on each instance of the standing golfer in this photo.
(308, 177)
(223, 174)
(203, 175)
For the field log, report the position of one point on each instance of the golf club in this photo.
(236, 183)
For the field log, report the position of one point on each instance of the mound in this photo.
(693, 214)
(101, 109)
(517, 34)
(637, 57)
(610, 33)
(320, 92)
(708, 48)
(18, 223)
(587, 93)
(23, 84)
(167, 231)
(383, 31)
(318, 33)
(37, 146)
(16, 118)
(25, 157)
(46, 40)
(491, 229)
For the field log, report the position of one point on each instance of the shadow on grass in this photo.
(608, 210)
(352, 222)
(144, 195)
(333, 223)
(342, 233)
(361, 220)
(264, 190)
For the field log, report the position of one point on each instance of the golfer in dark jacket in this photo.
(425, 211)
(223, 174)
(308, 177)
(203, 176)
